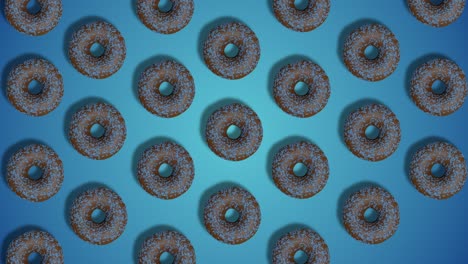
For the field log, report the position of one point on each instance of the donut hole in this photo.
(97, 50)
(35, 87)
(165, 6)
(34, 258)
(371, 215)
(97, 131)
(371, 52)
(166, 88)
(33, 7)
(233, 132)
(166, 258)
(300, 257)
(231, 50)
(300, 169)
(301, 88)
(35, 173)
(436, 2)
(301, 5)
(231, 215)
(98, 216)
(438, 170)
(372, 132)
(438, 87)
(165, 170)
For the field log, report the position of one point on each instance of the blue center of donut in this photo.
(371, 52)
(438, 87)
(33, 7)
(166, 88)
(233, 132)
(34, 258)
(35, 173)
(437, 2)
(300, 257)
(300, 169)
(232, 215)
(165, 170)
(438, 170)
(97, 50)
(231, 50)
(166, 258)
(301, 88)
(98, 216)
(165, 6)
(35, 87)
(372, 132)
(301, 4)
(97, 131)
(371, 215)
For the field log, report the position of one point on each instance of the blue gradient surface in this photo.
(430, 231)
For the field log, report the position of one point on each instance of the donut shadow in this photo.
(345, 195)
(277, 67)
(278, 234)
(146, 234)
(270, 7)
(12, 150)
(142, 66)
(348, 110)
(14, 234)
(3, 15)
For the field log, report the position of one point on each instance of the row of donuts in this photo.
(171, 17)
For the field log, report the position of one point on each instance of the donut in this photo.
(25, 101)
(383, 203)
(306, 240)
(251, 132)
(181, 177)
(178, 101)
(243, 38)
(33, 24)
(85, 143)
(384, 144)
(453, 162)
(163, 22)
(307, 19)
(448, 101)
(35, 241)
(244, 203)
(167, 242)
(314, 179)
(40, 156)
(375, 69)
(115, 216)
(308, 104)
(440, 15)
(104, 34)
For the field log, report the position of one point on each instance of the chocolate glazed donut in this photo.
(434, 15)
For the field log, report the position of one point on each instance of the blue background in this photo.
(430, 231)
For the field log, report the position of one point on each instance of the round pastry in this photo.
(103, 115)
(98, 233)
(437, 15)
(372, 116)
(171, 242)
(33, 23)
(442, 186)
(226, 65)
(242, 117)
(158, 103)
(302, 20)
(165, 22)
(305, 240)
(38, 157)
(225, 230)
(439, 103)
(36, 241)
(30, 102)
(308, 104)
(170, 186)
(374, 68)
(312, 181)
(97, 33)
(375, 231)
